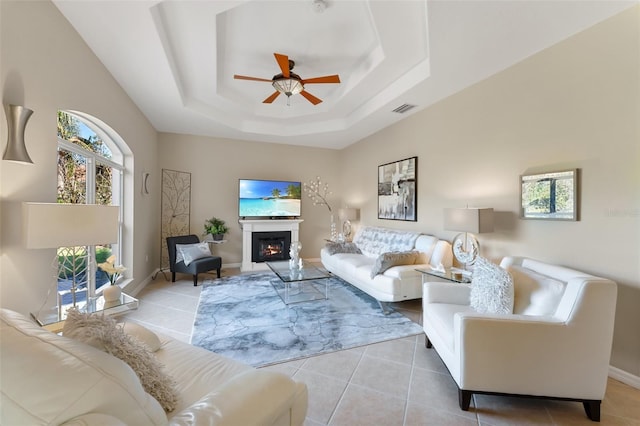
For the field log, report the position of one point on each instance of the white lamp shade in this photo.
(52, 225)
(472, 220)
(348, 214)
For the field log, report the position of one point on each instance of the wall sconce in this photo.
(16, 150)
(468, 221)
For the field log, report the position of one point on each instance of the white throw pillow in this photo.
(190, 252)
(143, 334)
(103, 333)
(535, 294)
(395, 258)
(491, 288)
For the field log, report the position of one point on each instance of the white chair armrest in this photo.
(442, 292)
(257, 397)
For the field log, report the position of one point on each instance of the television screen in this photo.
(269, 198)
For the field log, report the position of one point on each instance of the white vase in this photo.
(112, 293)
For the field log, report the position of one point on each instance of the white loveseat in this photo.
(47, 379)
(556, 343)
(398, 283)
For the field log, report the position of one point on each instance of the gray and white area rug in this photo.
(243, 317)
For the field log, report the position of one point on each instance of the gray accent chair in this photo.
(196, 267)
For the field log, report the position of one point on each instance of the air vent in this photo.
(403, 108)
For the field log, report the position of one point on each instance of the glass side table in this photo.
(53, 320)
(450, 274)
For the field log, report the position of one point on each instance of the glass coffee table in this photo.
(299, 284)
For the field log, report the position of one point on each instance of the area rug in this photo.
(244, 318)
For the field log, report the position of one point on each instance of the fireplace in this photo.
(267, 246)
(250, 227)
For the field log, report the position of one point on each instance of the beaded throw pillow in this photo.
(491, 288)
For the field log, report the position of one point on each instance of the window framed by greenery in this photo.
(90, 171)
(549, 196)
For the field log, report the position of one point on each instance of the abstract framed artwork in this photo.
(550, 196)
(398, 190)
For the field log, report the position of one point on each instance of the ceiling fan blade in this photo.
(271, 98)
(283, 63)
(244, 77)
(310, 97)
(325, 79)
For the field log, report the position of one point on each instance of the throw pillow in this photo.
(334, 248)
(491, 288)
(103, 333)
(143, 334)
(394, 258)
(190, 252)
(535, 294)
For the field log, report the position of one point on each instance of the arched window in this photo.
(90, 171)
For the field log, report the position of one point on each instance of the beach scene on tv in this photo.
(267, 198)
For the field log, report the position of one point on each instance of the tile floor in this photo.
(398, 382)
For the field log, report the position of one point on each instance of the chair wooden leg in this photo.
(173, 277)
(195, 280)
(218, 271)
(464, 399)
(592, 409)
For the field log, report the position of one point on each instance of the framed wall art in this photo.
(175, 209)
(549, 196)
(398, 190)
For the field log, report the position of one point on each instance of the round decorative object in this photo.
(465, 248)
(112, 293)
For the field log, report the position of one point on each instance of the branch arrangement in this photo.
(318, 192)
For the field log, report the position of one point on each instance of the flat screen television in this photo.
(273, 199)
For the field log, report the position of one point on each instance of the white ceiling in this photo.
(176, 58)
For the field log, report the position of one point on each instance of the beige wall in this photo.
(217, 164)
(576, 104)
(46, 66)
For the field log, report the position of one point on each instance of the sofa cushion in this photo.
(333, 248)
(190, 252)
(374, 241)
(386, 260)
(535, 293)
(491, 288)
(72, 377)
(103, 333)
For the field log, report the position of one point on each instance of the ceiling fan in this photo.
(289, 82)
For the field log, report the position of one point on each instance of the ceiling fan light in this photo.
(288, 86)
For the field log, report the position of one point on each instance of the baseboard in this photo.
(133, 287)
(624, 377)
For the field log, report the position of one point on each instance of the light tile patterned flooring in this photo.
(399, 382)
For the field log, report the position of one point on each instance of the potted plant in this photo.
(216, 227)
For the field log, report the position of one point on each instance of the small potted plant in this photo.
(216, 227)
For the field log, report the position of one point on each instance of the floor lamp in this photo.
(467, 221)
(70, 228)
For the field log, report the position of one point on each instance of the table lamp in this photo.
(69, 228)
(467, 221)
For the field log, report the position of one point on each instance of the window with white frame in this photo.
(90, 171)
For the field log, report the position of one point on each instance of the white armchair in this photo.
(556, 344)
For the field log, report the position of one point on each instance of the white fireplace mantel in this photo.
(266, 225)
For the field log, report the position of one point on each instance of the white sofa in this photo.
(397, 283)
(556, 343)
(47, 379)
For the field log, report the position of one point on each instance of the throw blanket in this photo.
(373, 241)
